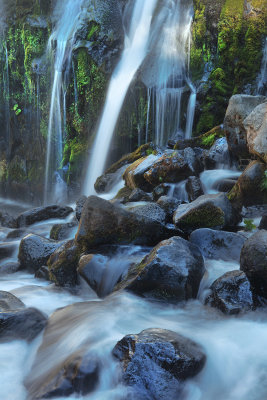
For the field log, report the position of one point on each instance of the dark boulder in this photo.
(231, 293)
(156, 362)
(42, 273)
(21, 324)
(224, 185)
(218, 245)
(7, 220)
(140, 195)
(169, 205)
(34, 251)
(106, 223)
(9, 268)
(253, 261)
(172, 272)
(7, 250)
(42, 214)
(263, 223)
(150, 210)
(194, 188)
(79, 207)
(16, 234)
(63, 265)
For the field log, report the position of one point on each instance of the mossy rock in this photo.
(205, 141)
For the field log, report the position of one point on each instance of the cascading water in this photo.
(136, 42)
(262, 81)
(71, 14)
(167, 70)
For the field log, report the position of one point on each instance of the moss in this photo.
(207, 216)
(205, 141)
(16, 170)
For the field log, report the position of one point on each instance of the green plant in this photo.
(264, 181)
(249, 225)
(150, 151)
(209, 140)
(17, 109)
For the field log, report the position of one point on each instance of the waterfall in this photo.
(136, 43)
(167, 70)
(63, 37)
(262, 80)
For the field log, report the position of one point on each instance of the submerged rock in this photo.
(10, 302)
(218, 245)
(231, 293)
(6, 250)
(172, 272)
(106, 223)
(10, 268)
(34, 251)
(208, 211)
(156, 362)
(253, 261)
(42, 214)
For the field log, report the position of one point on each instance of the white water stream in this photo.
(262, 80)
(134, 52)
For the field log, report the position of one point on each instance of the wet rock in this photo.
(63, 231)
(21, 324)
(7, 220)
(156, 362)
(218, 154)
(106, 223)
(263, 223)
(218, 245)
(247, 190)
(253, 261)
(140, 195)
(231, 293)
(16, 234)
(256, 130)
(107, 181)
(194, 188)
(134, 174)
(9, 268)
(172, 271)
(150, 210)
(42, 214)
(239, 108)
(225, 185)
(42, 273)
(63, 265)
(34, 251)
(10, 302)
(6, 250)
(169, 205)
(208, 211)
(161, 190)
(79, 207)
(173, 167)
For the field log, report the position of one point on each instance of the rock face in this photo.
(63, 265)
(172, 272)
(247, 190)
(239, 108)
(42, 214)
(231, 293)
(256, 129)
(253, 261)
(156, 362)
(34, 251)
(218, 245)
(106, 223)
(208, 211)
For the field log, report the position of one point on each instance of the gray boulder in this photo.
(231, 293)
(239, 108)
(156, 362)
(150, 210)
(256, 129)
(218, 245)
(172, 272)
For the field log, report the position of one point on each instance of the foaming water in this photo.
(134, 52)
(209, 178)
